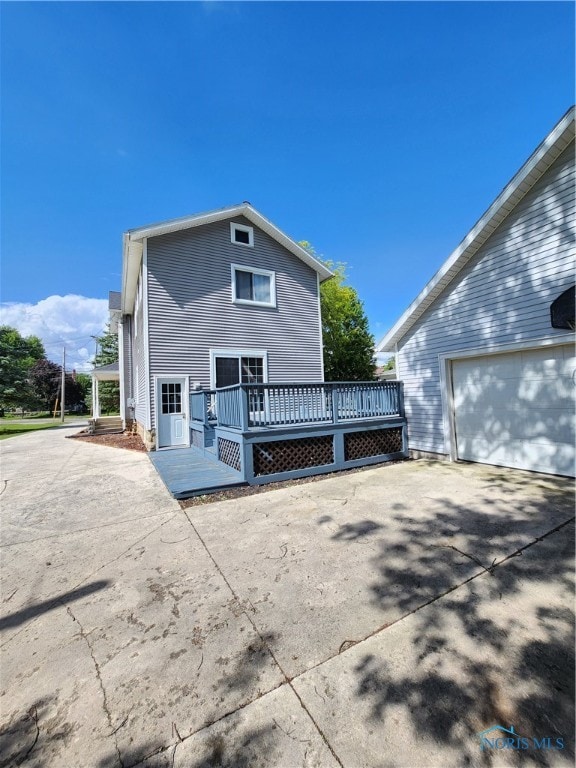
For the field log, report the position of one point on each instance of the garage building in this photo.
(486, 351)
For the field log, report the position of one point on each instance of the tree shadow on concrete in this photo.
(24, 737)
(498, 650)
(248, 665)
(240, 674)
(354, 531)
(224, 745)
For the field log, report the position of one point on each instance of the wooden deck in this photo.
(185, 472)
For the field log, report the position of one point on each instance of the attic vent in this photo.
(562, 310)
(242, 235)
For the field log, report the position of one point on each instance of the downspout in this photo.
(121, 371)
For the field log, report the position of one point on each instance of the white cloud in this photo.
(60, 320)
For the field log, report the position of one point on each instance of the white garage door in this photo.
(517, 409)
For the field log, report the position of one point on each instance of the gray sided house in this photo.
(486, 351)
(210, 301)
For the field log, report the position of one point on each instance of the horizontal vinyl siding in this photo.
(501, 296)
(191, 309)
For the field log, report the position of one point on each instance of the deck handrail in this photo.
(242, 406)
(202, 406)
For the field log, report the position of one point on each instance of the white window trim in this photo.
(241, 228)
(254, 271)
(239, 353)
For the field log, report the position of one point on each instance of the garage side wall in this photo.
(502, 296)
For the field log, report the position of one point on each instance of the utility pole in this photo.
(96, 352)
(63, 384)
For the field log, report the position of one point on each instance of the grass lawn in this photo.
(11, 430)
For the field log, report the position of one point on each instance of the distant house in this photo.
(486, 351)
(209, 301)
(385, 374)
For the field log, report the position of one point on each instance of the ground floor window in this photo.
(237, 366)
(238, 369)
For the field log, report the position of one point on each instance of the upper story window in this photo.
(242, 235)
(253, 286)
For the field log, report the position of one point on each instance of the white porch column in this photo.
(95, 399)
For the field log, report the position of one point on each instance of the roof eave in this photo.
(532, 170)
(133, 241)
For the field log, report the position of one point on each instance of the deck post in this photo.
(206, 398)
(247, 461)
(401, 399)
(335, 403)
(244, 416)
(338, 446)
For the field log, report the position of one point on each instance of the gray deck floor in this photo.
(185, 472)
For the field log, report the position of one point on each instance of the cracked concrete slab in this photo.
(155, 635)
(498, 650)
(174, 648)
(50, 697)
(326, 563)
(272, 732)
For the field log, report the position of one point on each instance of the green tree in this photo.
(84, 381)
(389, 365)
(46, 381)
(17, 356)
(348, 343)
(109, 391)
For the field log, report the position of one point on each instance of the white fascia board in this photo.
(135, 236)
(131, 260)
(532, 170)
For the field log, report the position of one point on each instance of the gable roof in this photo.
(532, 170)
(134, 239)
(110, 372)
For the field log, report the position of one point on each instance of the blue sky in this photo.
(380, 132)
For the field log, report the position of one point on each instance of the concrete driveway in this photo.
(376, 619)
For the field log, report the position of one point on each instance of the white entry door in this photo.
(517, 409)
(171, 410)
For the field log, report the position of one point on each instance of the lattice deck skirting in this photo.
(375, 442)
(197, 439)
(229, 453)
(287, 455)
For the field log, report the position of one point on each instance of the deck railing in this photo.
(243, 406)
(202, 406)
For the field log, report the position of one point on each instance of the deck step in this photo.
(108, 431)
(106, 425)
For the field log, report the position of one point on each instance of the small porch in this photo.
(264, 433)
(110, 372)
